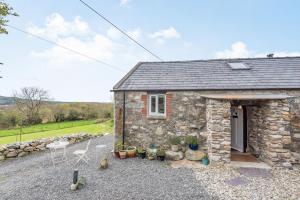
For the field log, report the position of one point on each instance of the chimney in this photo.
(271, 55)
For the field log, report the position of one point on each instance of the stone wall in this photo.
(24, 148)
(274, 131)
(270, 132)
(295, 129)
(218, 129)
(185, 116)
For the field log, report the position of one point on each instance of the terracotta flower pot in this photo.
(131, 153)
(122, 154)
(117, 154)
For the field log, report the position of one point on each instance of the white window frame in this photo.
(156, 113)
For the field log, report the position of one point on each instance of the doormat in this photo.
(236, 181)
(255, 172)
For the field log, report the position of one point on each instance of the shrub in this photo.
(175, 140)
(191, 140)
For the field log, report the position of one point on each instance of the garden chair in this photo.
(82, 153)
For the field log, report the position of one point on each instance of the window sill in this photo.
(156, 117)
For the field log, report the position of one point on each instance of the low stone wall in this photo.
(21, 149)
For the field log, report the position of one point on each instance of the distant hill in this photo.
(6, 100)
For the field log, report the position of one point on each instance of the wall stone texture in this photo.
(21, 149)
(273, 129)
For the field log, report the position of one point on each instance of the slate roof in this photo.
(264, 73)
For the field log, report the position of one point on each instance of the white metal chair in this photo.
(82, 154)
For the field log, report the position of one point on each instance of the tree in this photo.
(29, 102)
(5, 10)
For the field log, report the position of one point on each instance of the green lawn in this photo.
(64, 129)
(46, 127)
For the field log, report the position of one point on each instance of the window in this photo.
(157, 105)
(238, 65)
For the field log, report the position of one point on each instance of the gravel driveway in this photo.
(34, 177)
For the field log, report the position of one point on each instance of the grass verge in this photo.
(105, 127)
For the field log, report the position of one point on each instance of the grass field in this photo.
(56, 129)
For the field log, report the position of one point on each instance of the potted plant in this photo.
(141, 152)
(131, 151)
(205, 160)
(117, 148)
(174, 141)
(192, 141)
(161, 154)
(152, 149)
(122, 154)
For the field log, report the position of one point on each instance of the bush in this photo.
(191, 140)
(73, 115)
(175, 140)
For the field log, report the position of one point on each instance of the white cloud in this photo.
(56, 26)
(113, 33)
(135, 34)
(239, 50)
(124, 2)
(106, 46)
(165, 34)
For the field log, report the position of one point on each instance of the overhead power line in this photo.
(66, 48)
(119, 29)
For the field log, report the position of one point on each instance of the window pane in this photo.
(153, 104)
(161, 104)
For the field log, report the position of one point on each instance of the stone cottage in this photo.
(246, 105)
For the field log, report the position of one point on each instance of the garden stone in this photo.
(28, 149)
(11, 154)
(171, 155)
(21, 154)
(13, 146)
(194, 155)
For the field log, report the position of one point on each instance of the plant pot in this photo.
(131, 153)
(205, 161)
(142, 155)
(122, 154)
(117, 154)
(194, 146)
(174, 148)
(161, 158)
(152, 151)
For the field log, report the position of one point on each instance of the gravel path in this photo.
(34, 177)
(278, 184)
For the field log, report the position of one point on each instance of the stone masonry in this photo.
(185, 116)
(273, 130)
(218, 128)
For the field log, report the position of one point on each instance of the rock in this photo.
(194, 155)
(13, 146)
(11, 154)
(74, 186)
(287, 165)
(171, 155)
(104, 164)
(159, 131)
(21, 154)
(2, 158)
(174, 148)
(28, 149)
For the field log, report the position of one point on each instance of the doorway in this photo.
(238, 122)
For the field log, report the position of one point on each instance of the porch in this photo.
(256, 125)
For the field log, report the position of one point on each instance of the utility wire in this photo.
(66, 48)
(123, 32)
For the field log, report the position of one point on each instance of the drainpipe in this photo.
(123, 130)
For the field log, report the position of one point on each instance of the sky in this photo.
(172, 29)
